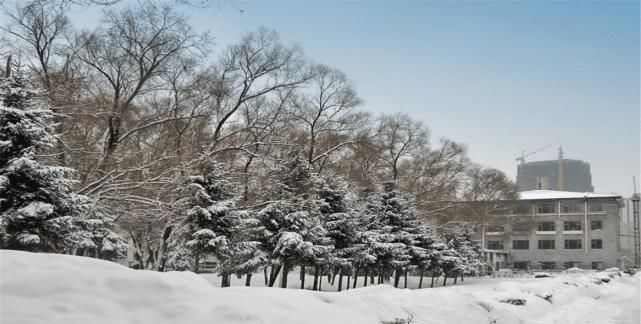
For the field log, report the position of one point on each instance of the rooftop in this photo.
(553, 194)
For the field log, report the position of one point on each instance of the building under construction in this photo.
(560, 174)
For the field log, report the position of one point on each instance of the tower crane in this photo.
(523, 155)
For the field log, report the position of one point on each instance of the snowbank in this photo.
(45, 288)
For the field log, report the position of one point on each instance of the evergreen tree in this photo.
(38, 209)
(459, 239)
(341, 223)
(291, 229)
(396, 226)
(95, 232)
(209, 224)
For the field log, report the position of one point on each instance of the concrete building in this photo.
(562, 174)
(547, 229)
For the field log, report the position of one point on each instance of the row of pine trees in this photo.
(305, 221)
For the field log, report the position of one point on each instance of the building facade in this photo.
(547, 229)
(561, 174)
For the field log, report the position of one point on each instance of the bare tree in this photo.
(38, 28)
(484, 189)
(128, 53)
(400, 137)
(435, 176)
(326, 112)
(258, 66)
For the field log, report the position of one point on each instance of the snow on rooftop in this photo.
(553, 194)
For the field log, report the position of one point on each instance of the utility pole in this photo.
(635, 216)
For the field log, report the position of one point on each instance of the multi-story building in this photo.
(562, 174)
(547, 229)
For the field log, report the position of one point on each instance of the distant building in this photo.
(562, 175)
(547, 229)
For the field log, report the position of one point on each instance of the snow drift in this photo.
(47, 288)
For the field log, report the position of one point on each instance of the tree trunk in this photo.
(248, 280)
(274, 274)
(266, 278)
(397, 277)
(462, 276)
(405, 279)
(371, 278)
(444, 279)
(7, 67)
(334, 273)
(223, 280)
(163, 248)
(349, 278)
(455, 278)
(356, 277)
(420, 282)
(340, 279)
(432, 285)
(196, 262)
(366, 277)
(283, 282)
(302, 277)
(316, 273)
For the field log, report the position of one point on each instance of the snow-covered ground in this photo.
(45, 288)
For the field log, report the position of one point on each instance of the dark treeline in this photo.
(122, 139)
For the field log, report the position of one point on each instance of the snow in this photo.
(553, 194)
(36, 209)
(48, 288)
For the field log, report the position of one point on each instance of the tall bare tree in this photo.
(129, 52)
(326, 111)
(400, 137)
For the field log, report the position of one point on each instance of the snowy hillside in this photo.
(47, 288)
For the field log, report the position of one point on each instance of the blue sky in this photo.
(499, 76)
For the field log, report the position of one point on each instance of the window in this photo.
(520, 227)
(495, 228)
(548, 265)
(597, 243)
(596, 207)
(546, 208)
(570, 207)
(523, 209)
(546, 244)
(495, 245)
(571, 264)
(546, 226)
(503, 211)
(596, 225)
(571, 226)
(522, 265)
(520, 245)
(597, 265)
(572, 244)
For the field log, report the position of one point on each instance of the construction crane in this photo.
(523, 155)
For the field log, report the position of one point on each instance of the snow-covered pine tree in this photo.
(38, 209)
(436, 259)
(209, 224)
(341, 224)
(95, 234)
(291, 228)
(397, 226)
(423, 251)
(246, 255)
(459, 238)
